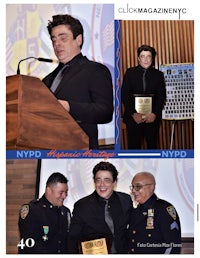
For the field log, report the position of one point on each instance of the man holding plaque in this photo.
(143, 95)
(100, 220)
(155, 226)
(44, 223)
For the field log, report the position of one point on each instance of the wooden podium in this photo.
(36, 120)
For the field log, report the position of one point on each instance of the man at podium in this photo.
(83, 87)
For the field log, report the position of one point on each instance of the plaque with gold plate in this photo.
(96, 246)
(143, 103)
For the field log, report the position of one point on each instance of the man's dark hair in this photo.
(55, 178)
(147, 48)
(103, 165)
(64, 19)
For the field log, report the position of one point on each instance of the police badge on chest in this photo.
(150, 219)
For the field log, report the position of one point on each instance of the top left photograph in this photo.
(60, 76)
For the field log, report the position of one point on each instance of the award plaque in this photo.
(143, 103)
(97, 246)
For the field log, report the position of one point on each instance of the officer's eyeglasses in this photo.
(137, 187)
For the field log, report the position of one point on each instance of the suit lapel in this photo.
(69, 74)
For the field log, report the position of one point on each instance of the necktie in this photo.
(144, 80)
(58, 78)
(110, 224)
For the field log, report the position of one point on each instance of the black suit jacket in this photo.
(133, 84)
(87, 86)
(88, 221)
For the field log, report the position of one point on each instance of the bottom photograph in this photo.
(100, 206)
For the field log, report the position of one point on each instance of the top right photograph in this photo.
(157, 84)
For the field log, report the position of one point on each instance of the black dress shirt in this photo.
(88, 220)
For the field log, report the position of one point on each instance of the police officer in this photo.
(155, 226)
(44, 223)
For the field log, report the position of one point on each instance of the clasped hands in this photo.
(141, 118)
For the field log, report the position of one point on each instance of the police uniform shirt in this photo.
(155, 228)
(45, 226)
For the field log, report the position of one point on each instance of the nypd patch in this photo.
(24, 211)
(172, 212)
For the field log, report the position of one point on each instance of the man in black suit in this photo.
(84, 87)
(89, 220)
(143, 80)
(155, 226)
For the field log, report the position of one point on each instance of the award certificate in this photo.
(143, 103)
(97, 246)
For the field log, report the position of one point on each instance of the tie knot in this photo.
(107, 203)
(61, 65)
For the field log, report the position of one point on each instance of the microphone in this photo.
(45, 59)
(39, 59)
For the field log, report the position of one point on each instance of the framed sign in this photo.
(179, 79)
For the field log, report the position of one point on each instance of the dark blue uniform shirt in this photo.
(155, 228)
(44, 228)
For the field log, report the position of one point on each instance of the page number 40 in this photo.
(29, 242)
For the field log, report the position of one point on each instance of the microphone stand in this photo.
(39, 59)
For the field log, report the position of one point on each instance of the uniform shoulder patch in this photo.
(24, 211)
(172, 212)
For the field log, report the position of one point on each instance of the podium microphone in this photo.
(39, 59)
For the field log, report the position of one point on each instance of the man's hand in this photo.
(141, 118)
(65, 104)
(137, 118)
(149, 118)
